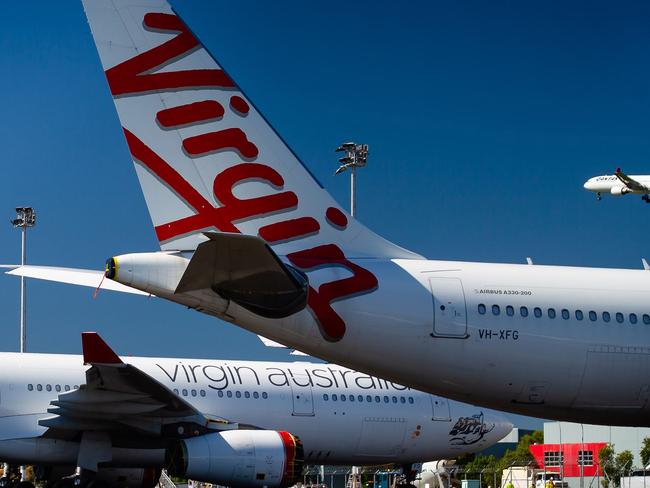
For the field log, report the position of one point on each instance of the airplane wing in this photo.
(631, 183)
(82, 277)
(120, 398)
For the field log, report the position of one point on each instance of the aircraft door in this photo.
(440, 409)
(449, 309)
(302, 397)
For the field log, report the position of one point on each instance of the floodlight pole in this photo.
(353, 181)
(25, 217)
(356, 156)
(23, 303)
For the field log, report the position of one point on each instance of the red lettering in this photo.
(289, 229)
(207, 216)
(320, 301)
(132, 77)
(239, 105)
(190, 113)
(222, 140)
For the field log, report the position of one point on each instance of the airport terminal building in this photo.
(572, 450)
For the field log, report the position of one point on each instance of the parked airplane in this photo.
(249, 236)
(233, 423)
(620, 184)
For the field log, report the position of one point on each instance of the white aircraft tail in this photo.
(206, 158)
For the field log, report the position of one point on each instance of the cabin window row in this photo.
(592, 315)
(368, 398)
(58, 388)
(185, 392)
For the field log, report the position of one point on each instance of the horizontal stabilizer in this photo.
(245, 270)
(269, 343)
(82, 277)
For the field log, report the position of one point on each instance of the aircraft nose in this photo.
(589, 184)
(502, 426)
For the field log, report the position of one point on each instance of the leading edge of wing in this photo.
(73, 276)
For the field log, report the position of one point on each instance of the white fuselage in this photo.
(612, 185)
(377, 422)
(578, 350)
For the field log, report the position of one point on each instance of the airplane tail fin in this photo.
(206, 159)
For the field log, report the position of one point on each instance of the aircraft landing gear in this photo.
(646, 198)
(599, 196)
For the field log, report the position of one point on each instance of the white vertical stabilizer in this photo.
(205, 157)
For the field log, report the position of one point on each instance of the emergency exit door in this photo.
(302, 397)
(449, 310)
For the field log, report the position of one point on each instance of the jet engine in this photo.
(618, 191)
(239, 458)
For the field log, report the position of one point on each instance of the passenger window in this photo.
(184, 392)
(592, 316)
(175, 391)
(76, 387)
(368, 398)
(360, 398)
(606, 317)
(202, 393)
(334, 397)
(265, 395)
(48, 387)
(551, 313)
(538, 312)
(326, 397)
(67, 387)
(229, 394)
(377, 399)
(565, 314)
(633, 319)
(646, 318)
(193, 393)
(385, 399)
(343, 398)
(220, 393)
(351, 398)
(481, 309)
(256, 395)
(411, 400)
(579, 314)
(496, 310)
(238, 394)
(394, 399)
(619, 317)
(30, 387)
(39, 387)
(402, 400)
(523, 311)
(247, 394)
(510, 311)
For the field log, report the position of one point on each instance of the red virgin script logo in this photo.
(134, 76)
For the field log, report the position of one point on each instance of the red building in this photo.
(551, 457)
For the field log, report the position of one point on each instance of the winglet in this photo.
(96, 350)
(618, 170)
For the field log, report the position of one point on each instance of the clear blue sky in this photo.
(483, 121)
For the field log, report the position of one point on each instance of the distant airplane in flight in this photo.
(620, 184)
(234, 423)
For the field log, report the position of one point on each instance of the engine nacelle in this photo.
(618, 191)
(154, 272)
(239, 458)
